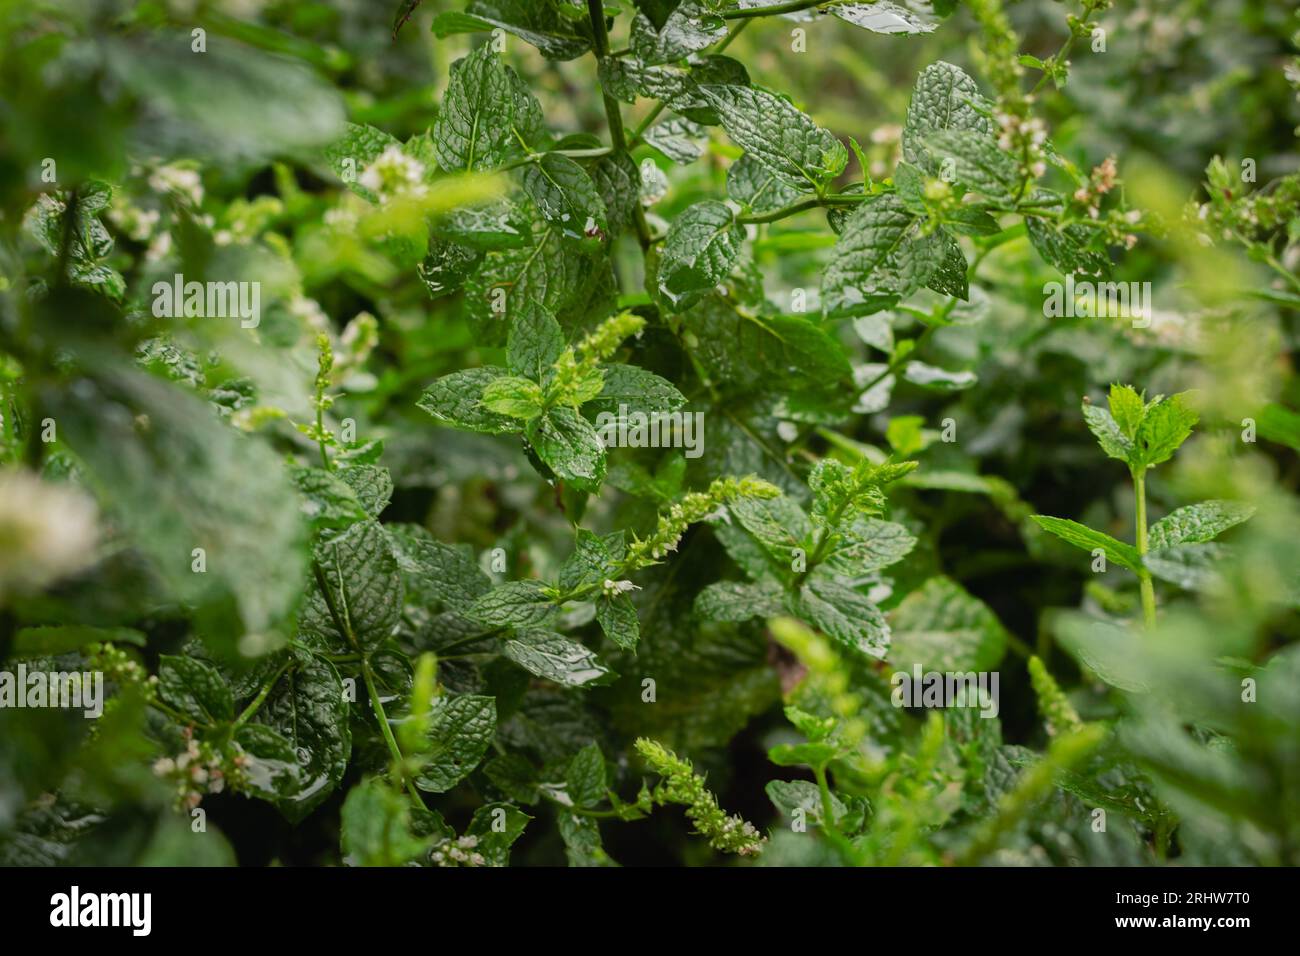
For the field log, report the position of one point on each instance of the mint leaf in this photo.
(456, 400)
(977, 162)
(534, 343)
(1167, 424)
(484, 114)
(1198, 523)
(558, 658)
(1081, 536)
(846, 616)
(780, 137)
(689, 28)
(944, 98)
(566, 197)
(942, 627)
(756, 187)
(702, 247)
(196, 689)
(882, 17)
(461, 730)
(513, 397)
(538, 22)
(570, 447)
(309, 709)
(362, 595)
(585, 778)
(873, 265)
(522, 604)
(737, 601)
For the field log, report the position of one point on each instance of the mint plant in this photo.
(348, 359)
(1179, 547)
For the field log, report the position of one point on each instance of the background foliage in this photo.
(430, 602)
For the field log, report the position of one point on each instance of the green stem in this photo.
(828, 807)
(1144, 576)
(617, 134)
(594, 153)
(260, 699)
(803, 205)
(794, 6)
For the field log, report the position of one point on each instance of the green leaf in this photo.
(375, 827)
(680, 139)
(447, 265)
(1167, 424)
(635, 388)
(941, 627)
(328, 501)
(1109, 435)
(196, 689)
(61, 639)
(791, 795)
(873, 266)
(582, 843)
(617, 618)
(1127, 408)
(944, 98)
(362, 603)
(308, 708)
(456, 400)
(566, 197)
(618, 181)
(756, 187)
(441, 572)
(688, 29)
(938, 379)
(868, 545)
(977, 162)
(1081, 536)
(702, 246)
(556, 657)
(585, 779)
(535, 342)
(372, 484)
(521, 604)
(462, 728)
(1193, 566)
(882, 16)
(846, 616)
(570, 447)
(484, 114)
(737, 601)
(514, 397)
(548, 271)
(1066, 247)
(271, 765)
(950, 278)
(777, 135)
(1198, 523)
(539, 22)
(496, 826)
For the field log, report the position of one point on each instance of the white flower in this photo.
(47, 531)
(175, 179)
(393, 173)
(620, 587)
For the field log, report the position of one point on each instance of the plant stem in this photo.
(260, 699)
(617, 135)
(803, 205)
(594, 153)
(828, 807)
(794, 6)
(1144, 576)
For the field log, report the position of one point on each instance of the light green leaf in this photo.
(738, 601)
(977, 162)
(1198, 523)
(514, 397)
(881, 16)
(873, 265)
(1081, 536)
(483, 114)
(846, 616)
(688, 29)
